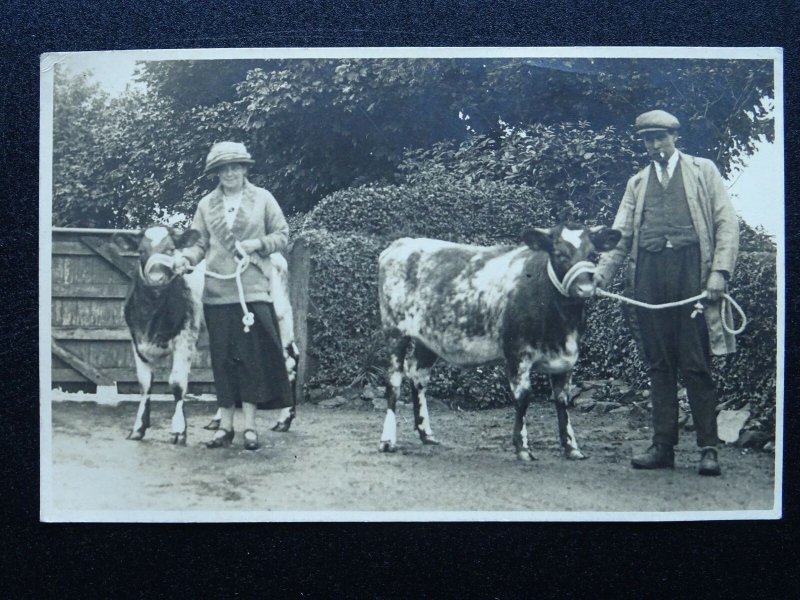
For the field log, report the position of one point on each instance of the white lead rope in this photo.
(588, 267)
(241, 265)
(698, 307)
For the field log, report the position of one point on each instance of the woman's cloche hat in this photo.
(225, 153)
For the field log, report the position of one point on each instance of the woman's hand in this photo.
(251, 246)
(180, 264)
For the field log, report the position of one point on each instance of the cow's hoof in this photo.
(179, 439)
(213, 425)
(525, 455)
(574, 454)
(429, 439)
(136, 434)
(387, 447)
(283, 425)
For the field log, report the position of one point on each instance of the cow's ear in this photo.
(187, 238)
(538, 239)
(126, 241)
(604, 238)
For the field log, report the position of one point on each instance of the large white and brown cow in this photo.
(164, 313)
(472, 305)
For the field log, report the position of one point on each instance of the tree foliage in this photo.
(81, 121)
(579, 172)
(718, 102)
(318, 126)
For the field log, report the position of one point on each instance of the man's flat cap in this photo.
(656, 120)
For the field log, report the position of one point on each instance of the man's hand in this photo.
(715, 286)
(251, 246)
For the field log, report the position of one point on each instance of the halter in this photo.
(157, 259)
(573, 273)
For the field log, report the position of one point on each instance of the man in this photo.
(682, 234)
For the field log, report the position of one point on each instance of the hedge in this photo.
(484, 212)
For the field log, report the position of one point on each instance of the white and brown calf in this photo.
(472, 305)
(164, 313)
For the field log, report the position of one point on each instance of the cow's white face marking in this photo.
(156, 234)
(573, 236)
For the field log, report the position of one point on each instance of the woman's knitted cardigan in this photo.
(258, 217)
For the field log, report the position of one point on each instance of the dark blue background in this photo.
(352, 560)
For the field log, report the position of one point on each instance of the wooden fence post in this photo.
(299, 276)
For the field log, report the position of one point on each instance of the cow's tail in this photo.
(283, 311)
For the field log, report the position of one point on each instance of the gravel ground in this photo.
(329, 461)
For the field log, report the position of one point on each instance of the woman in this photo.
(238, 217)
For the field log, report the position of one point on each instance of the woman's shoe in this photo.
(251, 439)
(222, 439)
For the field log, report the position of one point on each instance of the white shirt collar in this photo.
(672, 162)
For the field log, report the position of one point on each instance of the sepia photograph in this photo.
(412, 284)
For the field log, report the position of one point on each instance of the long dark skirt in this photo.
(247, 367)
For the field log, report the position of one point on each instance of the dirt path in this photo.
(329, 461)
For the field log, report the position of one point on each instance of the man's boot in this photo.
(657, 456)
(709, 464)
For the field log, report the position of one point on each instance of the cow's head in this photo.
(152, 241)
(567, 245)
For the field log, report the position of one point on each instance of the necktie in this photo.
(664, 175)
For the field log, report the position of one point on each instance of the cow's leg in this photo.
(144, 373)
(519, 377)
(560, 384)
(179, 382)
(215, 421)
(418, 370)
(398, 346)
(291, 355)
(285, 419)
